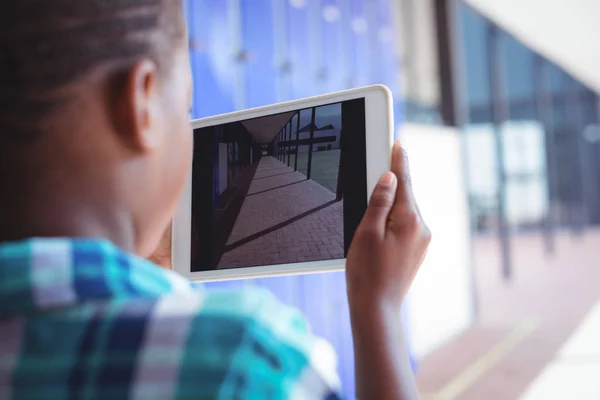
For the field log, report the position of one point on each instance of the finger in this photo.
(400, 169)
(380, 204)
(412, 203)
(404, 216)
(415, 206)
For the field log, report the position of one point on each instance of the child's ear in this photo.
(137, 107)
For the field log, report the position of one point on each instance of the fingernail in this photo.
(387, 179)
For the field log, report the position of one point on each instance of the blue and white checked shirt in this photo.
(80, 319)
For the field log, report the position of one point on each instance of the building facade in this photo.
(530, 133)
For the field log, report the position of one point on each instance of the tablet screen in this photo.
(279, 189)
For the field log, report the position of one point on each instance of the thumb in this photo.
(380, 204)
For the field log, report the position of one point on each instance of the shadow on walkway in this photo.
(284, 218)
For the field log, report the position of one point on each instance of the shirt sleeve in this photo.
(278, 354)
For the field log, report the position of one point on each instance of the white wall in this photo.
(440, 303)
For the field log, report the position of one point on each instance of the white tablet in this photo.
(281, 189)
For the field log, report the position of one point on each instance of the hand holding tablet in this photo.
(388, 248)
(390, 242)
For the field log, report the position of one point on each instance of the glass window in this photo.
(557, 79)
(518, 76)
(518, 69)
(474, 39)
(556, 84)
(590, 107)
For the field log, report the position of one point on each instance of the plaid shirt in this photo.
(80, 319)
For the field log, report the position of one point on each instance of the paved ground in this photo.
(285, 218)
(521, 324)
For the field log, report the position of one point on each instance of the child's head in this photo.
(94, 130)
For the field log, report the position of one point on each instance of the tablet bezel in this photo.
(379, 137)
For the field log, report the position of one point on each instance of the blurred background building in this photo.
(497, 103)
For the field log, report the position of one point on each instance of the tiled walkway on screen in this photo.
(285, 218)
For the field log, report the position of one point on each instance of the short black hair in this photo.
(48, 44)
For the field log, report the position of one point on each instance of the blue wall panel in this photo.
(287, 288)
(360, 30)
(348, 56)
(299, 50)
(385, 44)
(333, 49)
(339, 334)
(320, 293)
(211, 57)
(258, 41)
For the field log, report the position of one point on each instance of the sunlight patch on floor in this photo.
(575, 371)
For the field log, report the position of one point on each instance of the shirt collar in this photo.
(41, 274)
